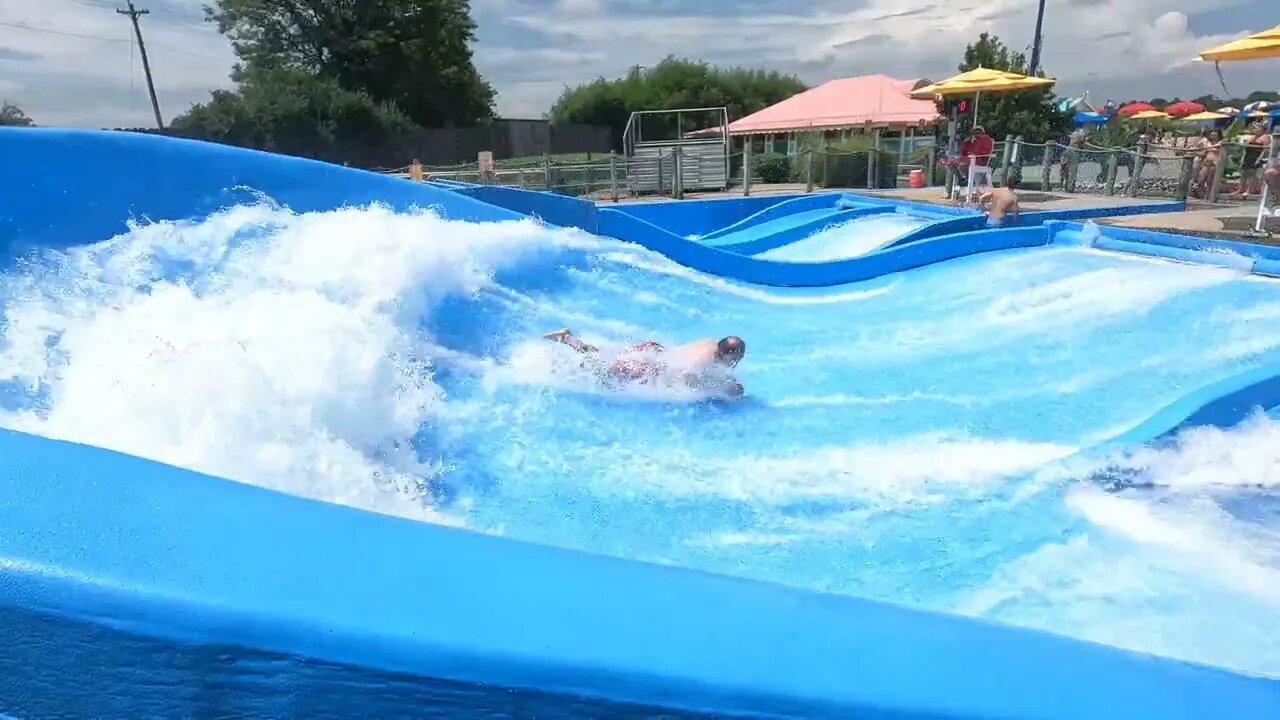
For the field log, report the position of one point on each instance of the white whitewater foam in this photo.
(991, 313)
(287, 357)
(1178, 579)
(1247, 455)
(656, 263)
(848, 239)
(921, 469)
(1167, 568)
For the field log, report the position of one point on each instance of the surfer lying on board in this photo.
(695, 363)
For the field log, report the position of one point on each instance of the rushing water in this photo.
(848, 239)
(908, 438)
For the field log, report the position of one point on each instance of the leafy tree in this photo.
(1030, 113)
(414, 53)
(670, 85)
(291, 112)
(1260, 96)
(12, 116)
(1210, 102)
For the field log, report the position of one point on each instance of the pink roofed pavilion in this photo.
(865, 101)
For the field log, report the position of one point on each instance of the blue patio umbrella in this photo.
(1090, 118)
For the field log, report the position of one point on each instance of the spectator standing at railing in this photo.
(1256, 140)
(1207, 152)
(1073, 144)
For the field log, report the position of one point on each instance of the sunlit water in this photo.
(901, 439)
(851, 238)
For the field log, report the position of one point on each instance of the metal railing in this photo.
(1146, 170)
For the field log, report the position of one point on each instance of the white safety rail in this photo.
(679, 153)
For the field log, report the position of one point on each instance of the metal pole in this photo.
(133, 14)
(1046, 167)
(1015, 161)
(875, 165)
(1184, 178)
(677, 182)
(952, 126)
(1004, 158)
(613, 175)
(1037, 41)
(1113, 170)
(1272, 153)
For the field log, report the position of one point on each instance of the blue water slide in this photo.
(623, 226)
(1247, 257)
(779, 207)
(155, 179)
(133, 588)
(788, 229)
(627, 223)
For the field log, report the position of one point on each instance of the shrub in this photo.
(773, 168)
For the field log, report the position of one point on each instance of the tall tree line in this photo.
(315, 75)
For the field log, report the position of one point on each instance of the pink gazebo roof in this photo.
(876, 100)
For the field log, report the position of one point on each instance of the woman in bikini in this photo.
(1208, 153)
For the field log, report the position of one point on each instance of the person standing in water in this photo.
(1002, 201)
(695, 363)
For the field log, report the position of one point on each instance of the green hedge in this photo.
(773, 168)
(837, 166)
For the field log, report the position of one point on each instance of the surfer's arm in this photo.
(725, 385)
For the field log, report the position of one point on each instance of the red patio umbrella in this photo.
(1184, 108)
(1135, 108)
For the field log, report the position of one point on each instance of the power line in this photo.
(188, 53)
(21, 26)
(134, 14)
(90, 4)
(174, 17)
(47, 31)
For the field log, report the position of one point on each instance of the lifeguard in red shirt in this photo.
(977, 148)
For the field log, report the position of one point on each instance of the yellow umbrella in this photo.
(1149, 115)
(1200, 116)
(1265, 44)
(981, 80)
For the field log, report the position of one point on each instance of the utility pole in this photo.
(1035, 44)
(133, 14)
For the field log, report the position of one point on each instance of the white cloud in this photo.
(1116, 45)
(92, 74)
(531, 49)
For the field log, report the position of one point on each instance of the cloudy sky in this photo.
(72, 62)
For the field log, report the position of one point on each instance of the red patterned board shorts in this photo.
(635, 369)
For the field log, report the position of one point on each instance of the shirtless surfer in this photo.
(694, 363)
(1002, 201)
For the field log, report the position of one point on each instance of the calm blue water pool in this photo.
(900, 439)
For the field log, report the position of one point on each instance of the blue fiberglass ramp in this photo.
(261, 320)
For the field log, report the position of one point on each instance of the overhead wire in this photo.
(104, 38)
